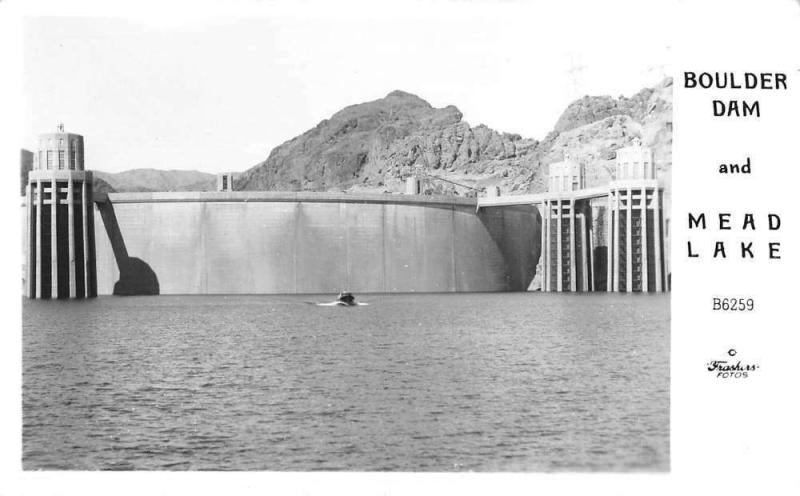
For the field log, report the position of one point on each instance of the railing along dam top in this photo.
(283, 196)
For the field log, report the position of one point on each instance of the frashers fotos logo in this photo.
(730, 369)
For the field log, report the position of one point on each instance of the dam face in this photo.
(272, 243)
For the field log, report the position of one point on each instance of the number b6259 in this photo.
(733, 304)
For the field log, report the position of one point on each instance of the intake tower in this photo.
(60, 221)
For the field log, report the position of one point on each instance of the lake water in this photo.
(442, 382)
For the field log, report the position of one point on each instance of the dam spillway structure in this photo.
(60, 236)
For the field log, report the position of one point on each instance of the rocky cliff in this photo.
(372, 146)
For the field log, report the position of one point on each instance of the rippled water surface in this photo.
(520, 381)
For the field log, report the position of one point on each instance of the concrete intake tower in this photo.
(60, 258)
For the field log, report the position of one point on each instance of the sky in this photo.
(187, 90)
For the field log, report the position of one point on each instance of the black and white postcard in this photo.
(400, 247)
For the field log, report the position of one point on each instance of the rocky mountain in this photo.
(592, 128)
(372, 146)
(144, 180)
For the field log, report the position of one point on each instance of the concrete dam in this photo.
(610, 237)
(285, 242)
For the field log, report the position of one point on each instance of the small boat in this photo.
(345, 299)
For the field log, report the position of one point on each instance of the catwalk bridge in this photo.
(539, 198)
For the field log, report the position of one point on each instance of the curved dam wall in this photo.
(267, 242)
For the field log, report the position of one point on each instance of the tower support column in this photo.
(54, 236)
(559, 257)
(584, 257)
(85, 223)
(548, 253)
(39, 239)
(590, 258)
(71, 230)
(657, 238)
(28, 254)
(609, 241)
(644, 230)
(543, 246)
(573, 283)
(628, 241)
(615, 268)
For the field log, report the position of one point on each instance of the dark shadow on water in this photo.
(136, 277)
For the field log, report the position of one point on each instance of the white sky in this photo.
(177, 92)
